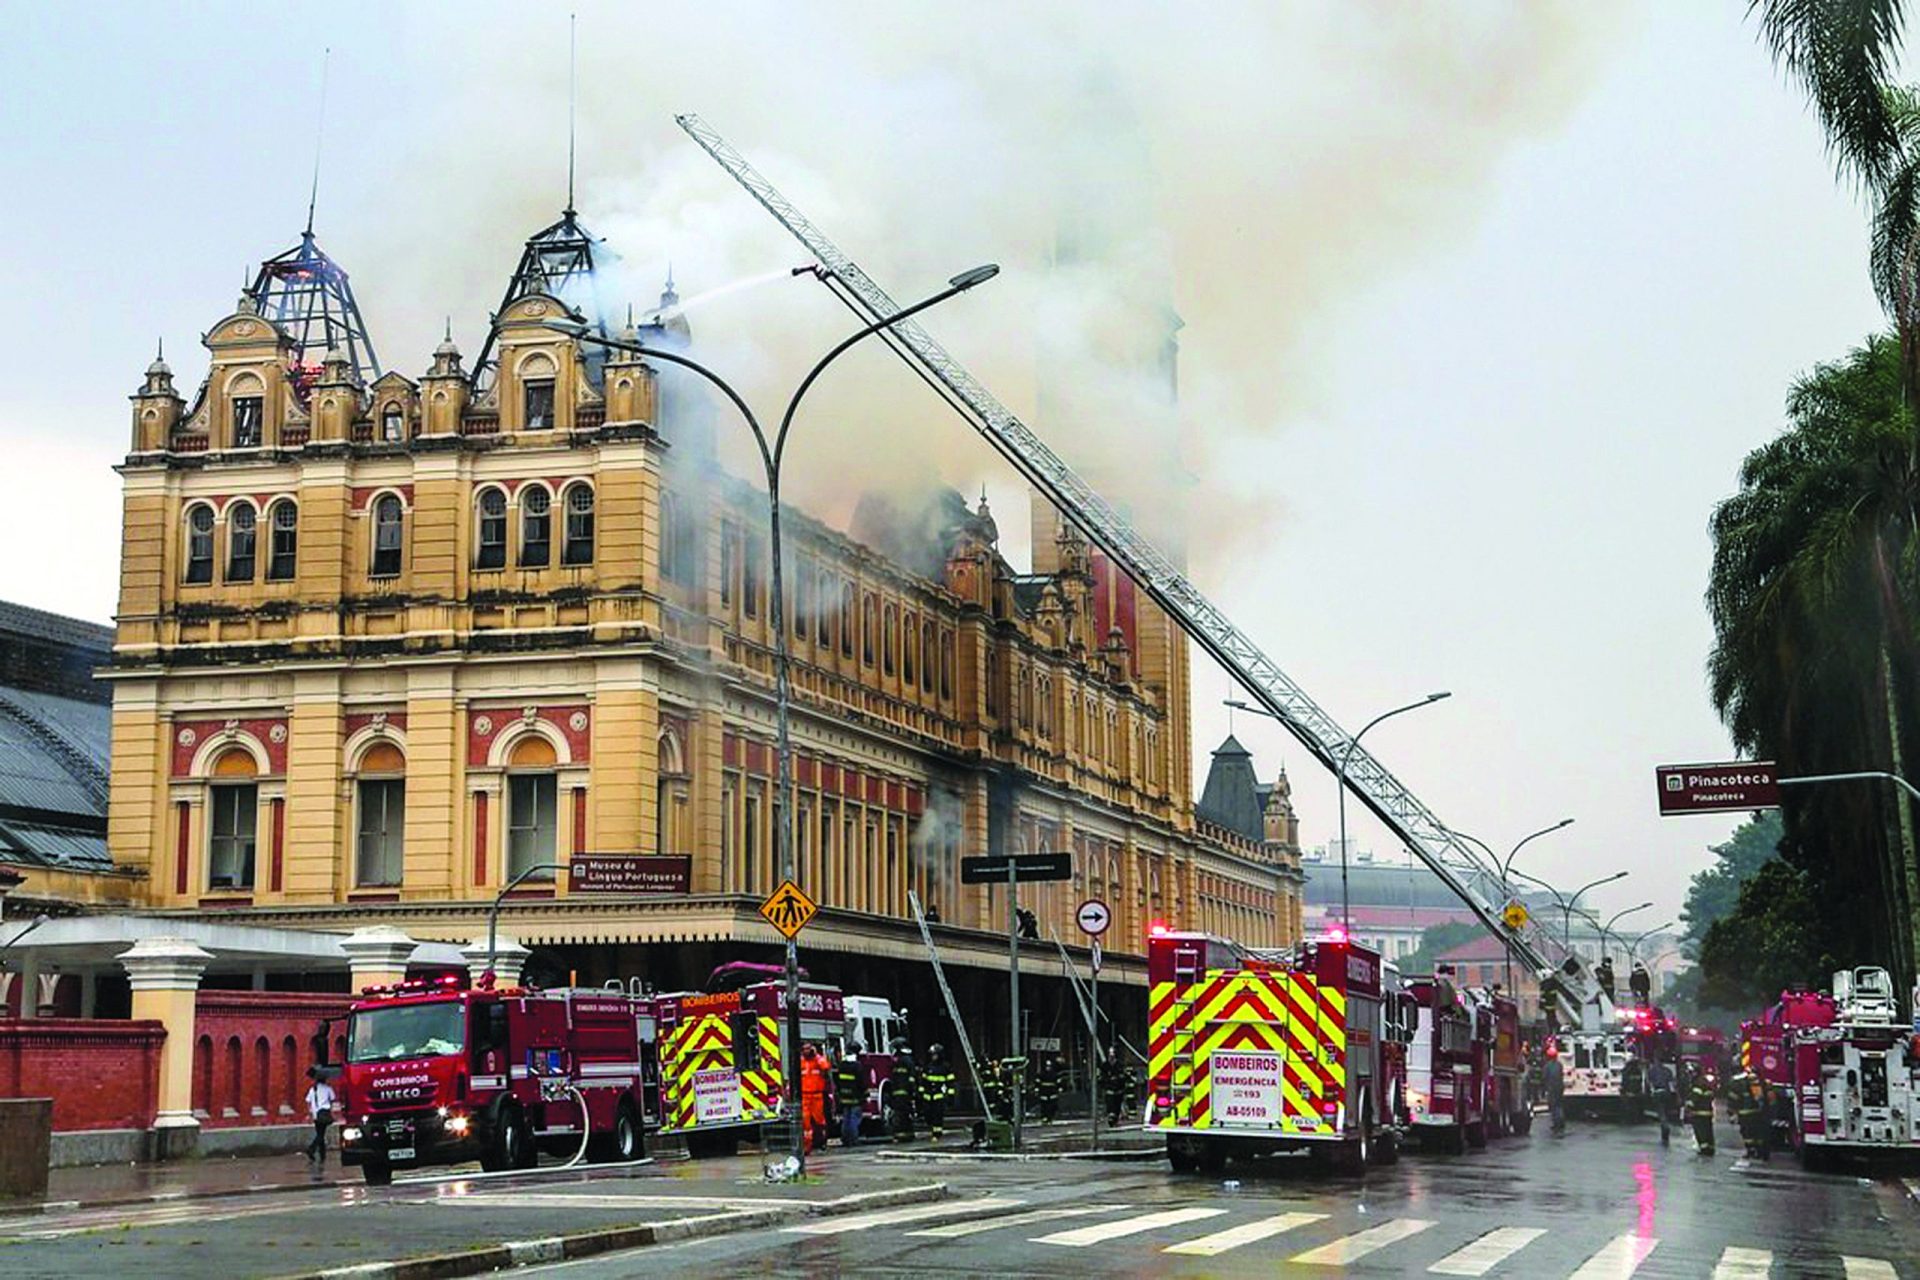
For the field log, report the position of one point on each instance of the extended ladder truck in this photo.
(1448, 857)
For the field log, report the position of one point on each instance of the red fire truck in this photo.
(719, 1052)
(1703, 1050)
(1852, 1065)
(1258, 1052)
(1497, 1027)
(1447, 1065)
(437, 1073)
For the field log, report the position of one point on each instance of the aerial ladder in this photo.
(1569, 984)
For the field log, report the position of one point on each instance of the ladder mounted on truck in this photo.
(1390, 800)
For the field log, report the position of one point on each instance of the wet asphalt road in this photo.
(1603, 1202)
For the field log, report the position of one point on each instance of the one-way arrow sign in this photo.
(992, 868)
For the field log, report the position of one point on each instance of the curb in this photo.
(1114, 1155)
(585, 1244)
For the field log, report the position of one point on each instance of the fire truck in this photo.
(1703, 1051)
(1497, 1026)
(719, 1052)
(1447, 1065)
(1853, 1067)
(1259, 1052)
(872, 1023)
(437, 1073)
(1606, 1068)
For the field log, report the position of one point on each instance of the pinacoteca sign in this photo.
(1731, 787)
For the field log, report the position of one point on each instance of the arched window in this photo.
(928, 657)
(946, 664)
(283, 519)
(379, 849)
(242, 537)
(869, 623)
(676, 540)
(823, 610)
(490, 540)
(248, 414)
(846, 620)
(579, 545)
(536, 383)
(392, 423)
(533, 801)
(908, 649)
(886, 640)
(388, 536)
(233, 803)
(536, 527)
(200, 543)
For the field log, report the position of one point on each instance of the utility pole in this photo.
(1093, 1059)
(1013, 997)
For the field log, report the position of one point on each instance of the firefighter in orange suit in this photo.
(815, 1083)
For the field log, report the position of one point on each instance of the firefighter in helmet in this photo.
(1640, 982)
(1115, 1084)
(936, 1091)
(993, 1082)
(850, 1093)
(1046, 1088)
(1750, 1109)
(1603, 974)
(901, 1088)
(815, 1082)
(1700, 1112)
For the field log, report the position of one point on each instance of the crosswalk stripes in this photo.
(957, 1230)
(1868, 1268)
(1619, 1258)
(1245, 1233)
(914, 1213)
(1737, 1263)
(1352, 1248)
(1100, 1232)
(1488, 1252)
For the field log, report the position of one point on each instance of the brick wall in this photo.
(100, 1075)
(252, 1050)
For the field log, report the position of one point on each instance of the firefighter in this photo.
(1660, 1089)
(1640, 982)
(1046, 1088)
(814, 1084)
(1553, 1076)
(1781, 1119)
(936, 1090)
(995, 1089)
(1750, 1109)
(850, 1093)
(1604, 976)
(901, 1088)
(1700, 1112)
(1013, 1074)
(1114, 1085)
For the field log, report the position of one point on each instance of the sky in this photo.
(1481, 307)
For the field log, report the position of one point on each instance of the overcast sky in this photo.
(1481, 312)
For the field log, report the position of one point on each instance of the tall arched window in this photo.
(909, 649)
(382, 785)
(536, 374)
(392, 423)
(679, 544)
(200, 543)
(536, 527)
(846, 620)
(823, 611)
(233, 803)
(533, 803)
(886, 640)
(579, 545)
(869, 623)
(490, 540)
(389, 536)
(284, 521)
(928, 657)
(242, 538)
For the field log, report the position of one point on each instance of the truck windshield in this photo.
(407, 1031)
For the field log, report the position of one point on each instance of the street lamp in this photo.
(1506, 871)
(1606, 929)
(1633, 948)
(1566, 908)
(772, 454)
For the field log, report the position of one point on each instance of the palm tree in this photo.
(1841, 51)
(1813, 598)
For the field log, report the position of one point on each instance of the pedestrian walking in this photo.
(814, 1085)
(1700, 1112)
(1660, 1085)
(936, 1091)
(1554, 1074)
(320, 1104)
(850, 1093)
(902, 1086)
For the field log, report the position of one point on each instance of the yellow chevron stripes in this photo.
(1276, 1011)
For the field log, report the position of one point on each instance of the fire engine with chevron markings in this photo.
(719, 1054)
(1257, 1052)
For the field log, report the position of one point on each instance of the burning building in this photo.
(386, 644)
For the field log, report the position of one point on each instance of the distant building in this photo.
(1248, 827)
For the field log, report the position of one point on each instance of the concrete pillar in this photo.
(165, 976)
(89, 982)
(377, 955)
(29, 984)
(509, 959)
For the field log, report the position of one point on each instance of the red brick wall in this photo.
(100, 1075)
(251, 1054)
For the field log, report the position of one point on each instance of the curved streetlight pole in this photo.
(772, 453)
(1633, 948)
(1566, 927)
(1346, 758)
(1606, 930)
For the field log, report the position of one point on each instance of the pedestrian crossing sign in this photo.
(1515, 915)
(788, 909)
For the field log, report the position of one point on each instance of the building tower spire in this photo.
(573, 97)
(319, 138)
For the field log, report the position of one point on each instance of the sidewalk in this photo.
(88, 1186)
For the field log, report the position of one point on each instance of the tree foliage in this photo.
(1436, 939)
(1773, 939)
(1713, 894)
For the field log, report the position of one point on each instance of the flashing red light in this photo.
(1336, 934)
(1157, 928)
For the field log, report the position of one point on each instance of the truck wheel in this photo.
(629, 1135)
(378, 1173)
(1477, 1135)
(1386, 1147)
(1180, 1156)
(1455, 1141)
(1523, 1123)
(510, 1147)
(1213, 1155)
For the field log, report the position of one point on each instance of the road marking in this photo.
(1246, 1233)
(601, 1200)
(955, 1230)
(1869, 1268)
(1488, 1252)
(1081, 1237)
(1737, 1263)
(917, 1213)
(1619, 1258)
(1361, 1243)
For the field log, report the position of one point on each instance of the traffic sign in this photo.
(1096, 957)
(1515, 915)
(992, 868)
(788, 909)
(1093, 917)
(1734, 786)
